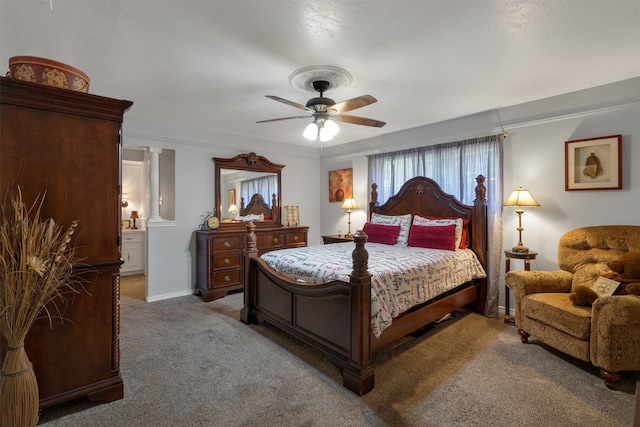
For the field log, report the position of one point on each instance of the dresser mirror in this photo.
(230, 173)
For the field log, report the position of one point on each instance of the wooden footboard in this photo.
(333, 318)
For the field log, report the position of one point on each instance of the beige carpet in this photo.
(189, 363)
(134, 286)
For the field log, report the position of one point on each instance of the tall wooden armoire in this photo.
(68, 144)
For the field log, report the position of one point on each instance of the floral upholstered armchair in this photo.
(606, 334)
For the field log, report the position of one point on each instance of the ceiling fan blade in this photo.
(284, 118)
(358, 120)
(353, 103)
(291, 103)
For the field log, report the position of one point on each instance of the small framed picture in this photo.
(593, 163)
(231, 195)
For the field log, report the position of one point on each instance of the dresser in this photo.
(69, 144)
(220, 255)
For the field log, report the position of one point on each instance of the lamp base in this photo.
(349, 235)
(520, 249)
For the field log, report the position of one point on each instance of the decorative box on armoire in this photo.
(69, 144)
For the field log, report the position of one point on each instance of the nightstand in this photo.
(335, 238)
(508, 254)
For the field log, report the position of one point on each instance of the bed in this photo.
(336, 317)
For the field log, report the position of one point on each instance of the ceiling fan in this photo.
(325, 112)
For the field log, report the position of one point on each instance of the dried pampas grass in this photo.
(36, 270)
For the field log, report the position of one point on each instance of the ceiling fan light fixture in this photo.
(311, 131)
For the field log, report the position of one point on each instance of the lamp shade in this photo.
(521, 197)
(233, 209)
(331, 127)
(325, 135)
(134, 214)
(311, 131)
(349, 203)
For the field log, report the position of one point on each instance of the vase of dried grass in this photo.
(37, 262)
(19, 396)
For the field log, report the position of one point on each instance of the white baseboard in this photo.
(170, 295)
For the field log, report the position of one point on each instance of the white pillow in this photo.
(426, 222)
(404, 221)
(252, 217)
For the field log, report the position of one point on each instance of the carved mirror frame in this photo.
(249, 162)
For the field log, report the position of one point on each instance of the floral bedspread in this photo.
(401, 276)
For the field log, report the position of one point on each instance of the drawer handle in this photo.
(128, 238)
(227, 261)
(275, 240)
(295, 238)
(227, 278)
(227, 244)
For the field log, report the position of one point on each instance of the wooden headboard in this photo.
(423, 196)
(257, 206)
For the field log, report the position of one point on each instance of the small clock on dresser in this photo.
(210, 222)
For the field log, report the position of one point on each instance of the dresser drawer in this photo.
(227, 278)
(227, 260)
(226, 243)
(270, 241)
(132, 237)
(296, 238)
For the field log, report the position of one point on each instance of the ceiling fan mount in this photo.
(320, 104)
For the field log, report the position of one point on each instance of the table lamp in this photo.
(349, 204)
(233, 210)
(134, 216)
(519, 198)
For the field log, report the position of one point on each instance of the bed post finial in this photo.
(360, 255)
(251, 237)
(373, 203)
(481, 191)
(374, 194)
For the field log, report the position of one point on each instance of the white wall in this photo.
(533, 159)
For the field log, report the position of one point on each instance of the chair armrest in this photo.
(523, 283)
(533, 282)
(615, 333)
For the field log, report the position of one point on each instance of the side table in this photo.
(336, 238)
(508, 255)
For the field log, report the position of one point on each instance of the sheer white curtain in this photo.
(454, 166)
(266, 186)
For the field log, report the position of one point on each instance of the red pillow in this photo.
(433, 237)
(465, 241)
(381, 233)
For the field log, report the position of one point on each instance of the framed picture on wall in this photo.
(231, 195)
(340, 184)
(593, 163)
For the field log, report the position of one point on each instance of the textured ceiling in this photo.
(209, 64)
